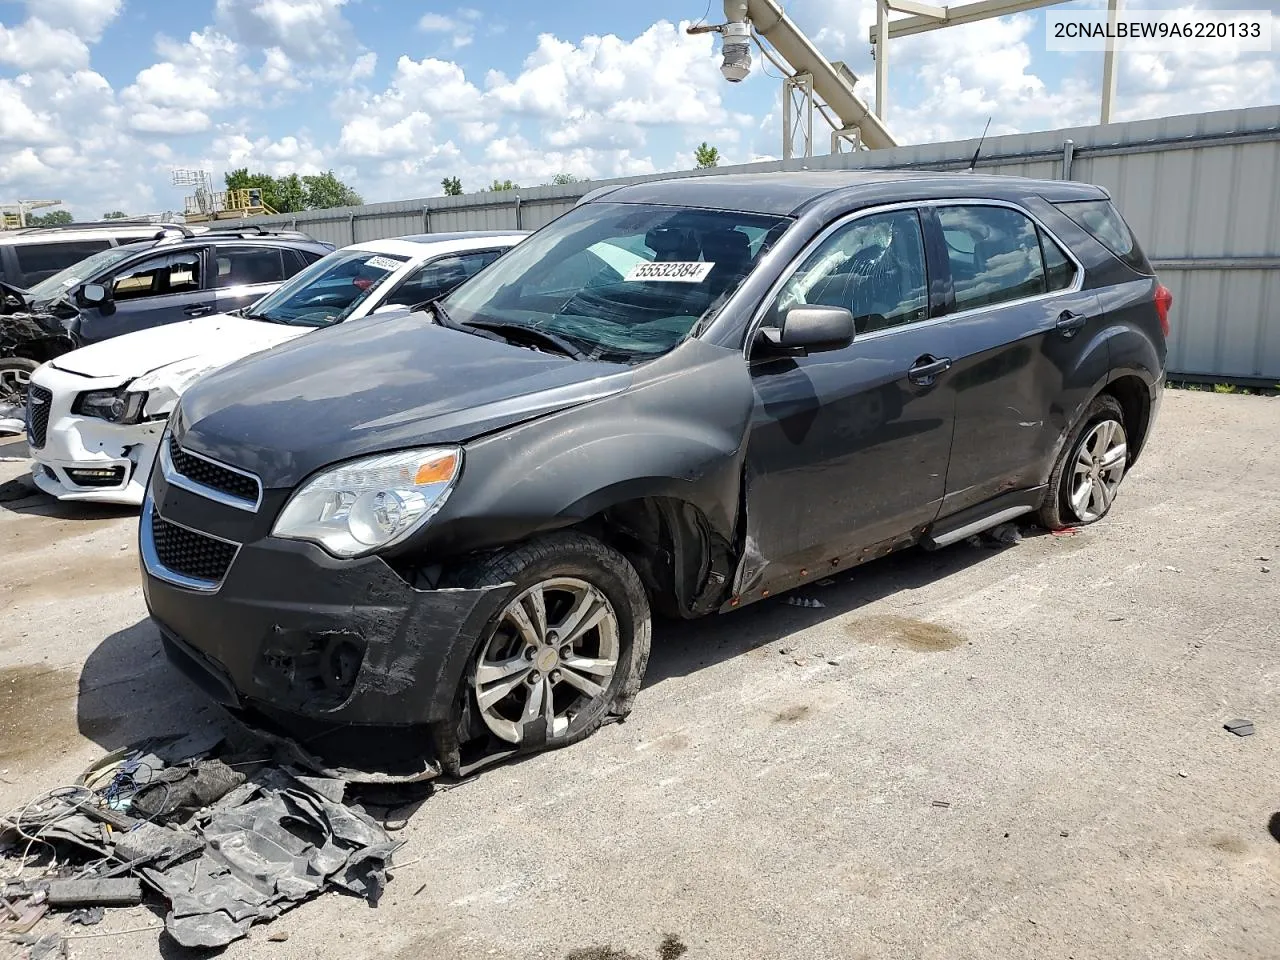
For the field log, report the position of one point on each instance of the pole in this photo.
(882, 58)
(1109, 61)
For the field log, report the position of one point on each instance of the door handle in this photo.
(1069, 324)
(198, 310)
(926, 368)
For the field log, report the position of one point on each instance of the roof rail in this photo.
(182, 229)
(86, 225)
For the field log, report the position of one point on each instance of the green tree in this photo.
(325, 190)
(706, 156)
(242, 179)
(290, 195)
(50, 219)
(115, 215)
(504, 185)
(560, 179)
(452, 186)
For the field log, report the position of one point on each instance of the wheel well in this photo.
(39, 350)
(684, 564)
(1135, 402)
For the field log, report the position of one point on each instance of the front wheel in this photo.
(568, 647)
(15, 375)
(1085, 481)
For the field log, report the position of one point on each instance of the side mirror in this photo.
(93, 294)
(810, 329)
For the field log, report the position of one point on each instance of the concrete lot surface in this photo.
(993, 753)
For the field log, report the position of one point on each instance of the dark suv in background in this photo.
(177, 275)
(682, 396)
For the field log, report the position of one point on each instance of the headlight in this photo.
(363, 505)
(118, 406)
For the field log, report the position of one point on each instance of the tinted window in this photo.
(330, 289)
(158, 276)
(240, 266)
(874, 266)
(437, 277)
(994, 254)
(1103, 222)
(1058, 270)
(624, 281)
(84, 270)
(40, 260)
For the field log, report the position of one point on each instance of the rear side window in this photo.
(1101, 220)
(439, 276)
(994, 254)
(40, 260)
(1059, 271)
(242, 266)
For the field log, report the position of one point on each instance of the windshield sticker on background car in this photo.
(691, 271)
(383, 263)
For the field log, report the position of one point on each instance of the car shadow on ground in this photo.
(22, 497)
(129, 692)
(684, 647)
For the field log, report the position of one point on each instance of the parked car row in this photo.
(458, 515)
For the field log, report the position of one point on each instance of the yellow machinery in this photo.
(13, 216)
(226, 205)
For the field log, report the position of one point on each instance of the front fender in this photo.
(677, 432)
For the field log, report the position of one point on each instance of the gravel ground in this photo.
(983, 752)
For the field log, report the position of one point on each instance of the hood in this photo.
(215, 340)
(376, 384)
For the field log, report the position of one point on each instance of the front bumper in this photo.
(86, 458)
(295, 635)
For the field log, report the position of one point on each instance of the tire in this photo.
(15, 373)
(576, 576)
(1084, 465)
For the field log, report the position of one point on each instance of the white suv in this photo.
(95, 415)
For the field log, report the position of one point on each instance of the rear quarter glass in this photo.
(1102, 221)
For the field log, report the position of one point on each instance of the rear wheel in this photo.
(567, 648)
(15, 375)
(1085, 481)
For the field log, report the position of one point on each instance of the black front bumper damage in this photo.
(341, 658)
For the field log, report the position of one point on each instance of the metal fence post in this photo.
(426, 218)
(351, 225)
(1068, 154)
(519, 219)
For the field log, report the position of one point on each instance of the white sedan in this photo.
(95, 415)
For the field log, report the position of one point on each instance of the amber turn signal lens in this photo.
(437, 471)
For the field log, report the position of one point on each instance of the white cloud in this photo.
(34, 45)
(276, 157)
(200, 76)
(307, 30)
(461, 27)
(19, 124)
(86, 19)
(362, 67)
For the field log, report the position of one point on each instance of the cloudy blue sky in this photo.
(101, 99)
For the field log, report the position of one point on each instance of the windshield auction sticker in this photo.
(382, 263)
(676, 271)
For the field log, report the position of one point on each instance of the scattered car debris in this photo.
(1266, 569)
(942, 803)
(226, 849)
(1005, 533)
(796, 601)
(827, 581)
(1241, 728)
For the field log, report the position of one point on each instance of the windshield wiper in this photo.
(516, 330)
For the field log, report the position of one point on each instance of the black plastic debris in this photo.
(270, 845)
(88, 916)
(1241, 728)
(793, 600)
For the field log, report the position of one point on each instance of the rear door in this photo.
(1022, 324)
(246, 274)
(849, 447)
(157, 289)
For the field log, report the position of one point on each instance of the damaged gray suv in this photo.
(678, 398)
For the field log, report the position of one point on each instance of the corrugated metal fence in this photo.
(1201, 191)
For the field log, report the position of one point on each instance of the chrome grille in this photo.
(38, 401)
(189, 553)
(214, 477)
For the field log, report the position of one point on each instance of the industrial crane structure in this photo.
(812, 82)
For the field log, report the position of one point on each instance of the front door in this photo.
(850, 447)
(159, 289)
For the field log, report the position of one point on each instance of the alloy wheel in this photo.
(1098, 469)
(553, 653)
(13, 387)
